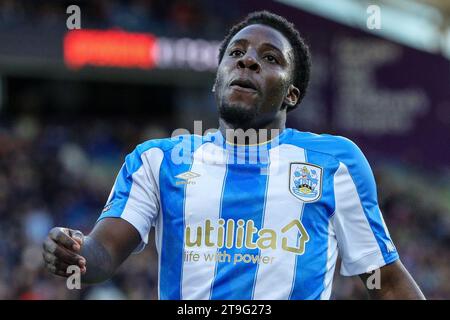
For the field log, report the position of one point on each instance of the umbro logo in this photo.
(187, 177)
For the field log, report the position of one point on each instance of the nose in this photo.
(248, 61)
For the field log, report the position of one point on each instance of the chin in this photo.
(238, 114)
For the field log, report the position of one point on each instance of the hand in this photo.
(62, 249)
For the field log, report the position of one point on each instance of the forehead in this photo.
(259, 34)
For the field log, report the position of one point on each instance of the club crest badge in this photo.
(305, 181)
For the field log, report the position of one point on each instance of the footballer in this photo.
(239, 214)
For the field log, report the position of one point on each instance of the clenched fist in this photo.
(62, 249)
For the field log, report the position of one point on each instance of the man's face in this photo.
(254, 76)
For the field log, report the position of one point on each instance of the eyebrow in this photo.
(267, 44)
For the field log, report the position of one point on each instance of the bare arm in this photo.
(395, 283)
(98, 255)
(108, 245)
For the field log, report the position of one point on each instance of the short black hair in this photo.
(302, 56)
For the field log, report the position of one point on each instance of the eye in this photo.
(271, 58)
(236, 53)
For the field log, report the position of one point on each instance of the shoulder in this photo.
(167, 144)
(351, 164)
(156, 150)
(339, 147)
(161, 144)
(149, 152)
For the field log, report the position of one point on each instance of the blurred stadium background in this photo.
(74, 103)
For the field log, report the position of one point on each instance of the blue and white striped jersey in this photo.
(253, 222)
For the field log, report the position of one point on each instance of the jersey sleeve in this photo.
(135, 195)
(363, 239)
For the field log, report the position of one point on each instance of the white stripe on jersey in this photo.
(352, 228)
(203, 201)
(331, 262)
(275, 280)
(153, 159)
(142, 205)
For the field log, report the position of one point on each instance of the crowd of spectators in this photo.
(60, 173)
(179, 17)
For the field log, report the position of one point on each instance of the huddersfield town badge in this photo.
(305, 181)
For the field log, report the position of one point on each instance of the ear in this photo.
(214, 87)
(292, 96)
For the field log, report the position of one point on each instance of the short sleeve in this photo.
(135, 194)
(363, 239)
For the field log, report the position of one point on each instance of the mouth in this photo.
(243, 85)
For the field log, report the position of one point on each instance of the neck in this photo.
(253, 133)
